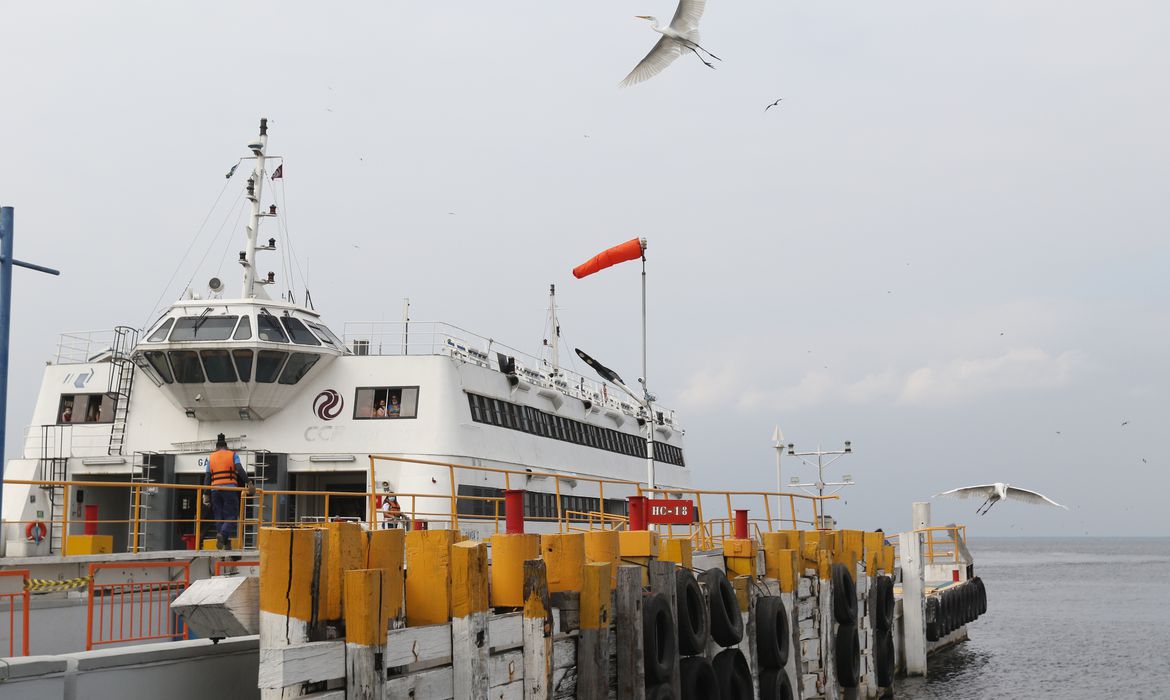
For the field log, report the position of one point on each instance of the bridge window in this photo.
(268, 363)
(204, 328)
(326, 334)
(158, 361)
(298, 366)
(386, 402)
(218, 364)
(187, 367)
(244, 330)
(299, 334)
(160, 334)
(243, 360)
(268, 328)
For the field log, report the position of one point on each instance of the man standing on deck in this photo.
(224, 469)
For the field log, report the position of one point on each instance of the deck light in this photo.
(243, 256)
(245, 414)
(791, 448)
(272, 243)
(190, 412)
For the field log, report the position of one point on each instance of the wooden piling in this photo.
(365, 633)
(631, 662)
(386, 550)
(469, 630)
(538, 632)
(593, 643)
(564, 556)
(346, 551)
(509, 552)
(662, 580)
(291, 563)
(678, 550)
(601, 546)
(428, 576)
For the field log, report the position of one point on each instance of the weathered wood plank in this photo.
(506, 668)
(309, 662)
(631, 672)
(506, 632)
(432, 684)
(469, 629)
(593, 642)
(365, 629)
(537, 632)
(417, 645)
(746, 594)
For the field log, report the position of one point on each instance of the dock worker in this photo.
(224, 470)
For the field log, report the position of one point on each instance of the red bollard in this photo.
(514, 511)
(637, 512)
(741, 524)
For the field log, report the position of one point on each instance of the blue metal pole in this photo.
(6, 231)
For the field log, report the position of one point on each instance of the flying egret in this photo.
(994, 493)
(774, 104)
(682, 34)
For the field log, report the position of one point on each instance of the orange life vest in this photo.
(223, 468)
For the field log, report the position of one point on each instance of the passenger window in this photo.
(386, 402)
(268, 364)
(158, 361)
(244, 330)
(243, 360)
(187, 367)
(218, 364)
(299, 334)
(160, 334)
(298, 366)
(268, 328)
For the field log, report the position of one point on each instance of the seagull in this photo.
(682, 34)
(1124, 423)
(997, 492)
(774, 104)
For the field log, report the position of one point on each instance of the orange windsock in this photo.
(630, 250)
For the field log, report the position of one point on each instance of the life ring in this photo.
(847, 647)
(844, 596)
(40, 529)
(774, 685)
(660, 645)
(698, 679)
(734, 676)
(694, 629)
(772, 632)
(726, 619)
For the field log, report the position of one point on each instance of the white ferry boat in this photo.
(305, 406)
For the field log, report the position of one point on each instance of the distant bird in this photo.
(774, 104)
(682, 34)
(1144, 461)
(994, 493)
(1124, 423)
(1058, 432)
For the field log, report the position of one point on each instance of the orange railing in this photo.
(12, 596)
(942, 544)
(709, 532)
(135, 611)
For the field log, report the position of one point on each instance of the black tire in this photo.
(773, 634)
(734, 676)
(883, 659)
(662, 691)
(933, 619)
(698, 679)
(844, 596)
(694, 629)
(972, 601)
(881, 603)
(659, 642)
(955, 621)
(947, 602)
(726, 618)
(982, 594)
(774, 685)
(847, 648)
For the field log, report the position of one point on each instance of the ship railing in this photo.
(437, 338)
(791, 511)
(943, 545)
(61, 440)
(81, 347)
(592, 521)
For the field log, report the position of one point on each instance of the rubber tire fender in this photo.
(883, 659)
(659, 643)
(694, 629)
(734, 676)
(661, 691)
(844, 596)
(773, 633)
(726, 618)
(698, 679)
(946, 601)
(982, 594)
(972, 601)
(847, 648)
(881, 603)
(774, 685)
(933, 619)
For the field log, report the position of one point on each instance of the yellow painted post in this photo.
(65, 525)
(385, 550)
(137, 503)
(537, 632)
(509, 552)
(564, 555)
(428, 576)
(291, 562)
(824, 564)
(365, 633)
(780, 561)
(469, 630)
(347, 550)
(593, 642)
(873, 552)
(739, 556)
(677, 550)
(638, 547)
(199, 517)
(602, 546)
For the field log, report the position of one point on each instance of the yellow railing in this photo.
(709, 532)
(594, 520)
(942, 544)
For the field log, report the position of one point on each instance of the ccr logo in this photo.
(328, 404)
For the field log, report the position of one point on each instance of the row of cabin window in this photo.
(471, 501)
(537, 422)
(268, 328)
(222, 366)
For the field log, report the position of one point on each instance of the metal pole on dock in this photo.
(6, 262)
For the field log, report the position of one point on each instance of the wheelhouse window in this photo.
(218, 364)
(158, 360)
(386, 402)
(244, 330)
(268, 328)
(299, 334)
(204, 328)
(268, 364)
(243, 360)
(299, 364)
(85, 408)
(186, 366)
(326, 334)
(160, 333)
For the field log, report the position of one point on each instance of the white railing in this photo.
(67, 440)
(80, 347)
(437, 338)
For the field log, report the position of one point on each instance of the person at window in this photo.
(394, 511)
(224, 472)
(394, 411)
(67, 414)
(380, 409)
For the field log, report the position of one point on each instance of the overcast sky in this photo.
(948, 244)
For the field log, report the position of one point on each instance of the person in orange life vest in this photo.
(224, 469)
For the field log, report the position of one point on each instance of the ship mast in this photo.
(255, 186)
(556, 330)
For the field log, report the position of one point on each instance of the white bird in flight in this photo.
(681, 35)
(994, 493)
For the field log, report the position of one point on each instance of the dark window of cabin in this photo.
(268, 363)
(158, 361)
(218, 364)
(299, 334)
(186, 366)
(244, 330)
(160, 333)
(243, 360)
(268, 328)
(203, 328)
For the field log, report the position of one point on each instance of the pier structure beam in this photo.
(828, 627)
(537, 632)
(639, 547)
(365, 633)
(601, 547)
(593, 642)
(509, 556)
(385, 550)
(913, 601)
(346, 551)
(469, 619)
(428, 576)
(679, 550)
(631, 662)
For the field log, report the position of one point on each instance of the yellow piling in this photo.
(602, 546)
(740, 557)
(564, 556)
(509, 553)
(346, 551)
(677, 550)
(639, 547)
(428, 576)
(286, 572)
(385, 550)
(782, 565)
(365, 621)
(469, 581)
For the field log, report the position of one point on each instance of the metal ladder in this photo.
(55, 469)
(121, 381)
(258, 472)
(140, 473)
